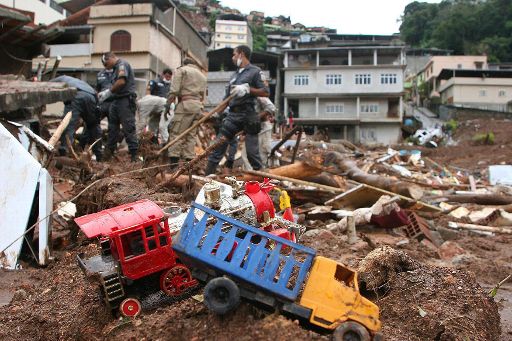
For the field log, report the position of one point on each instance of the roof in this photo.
(119, 218)
(18, 28)
(471, 73)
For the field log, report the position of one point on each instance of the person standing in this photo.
(266, 110)
(245, 85)
(189, 88)
(82, 106)
(104, 82)
(123, 107)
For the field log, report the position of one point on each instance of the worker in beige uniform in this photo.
(188, 87)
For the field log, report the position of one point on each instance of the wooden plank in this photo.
(365, 196)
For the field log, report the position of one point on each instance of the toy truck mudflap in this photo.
(219, 244)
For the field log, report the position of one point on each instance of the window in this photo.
(218, 35)
(502, 93)
(133, 244)
(120, 41)
(370, 108)
(334, 79)
(334, 108)
(301, 80)
(240, 28)
(459, 66)
(241, 36)
(228, 28)
(388, 78)
(482, 93)
(364, 78)
(228, 36)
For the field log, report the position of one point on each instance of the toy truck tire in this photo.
(221, 295)
(351, 331)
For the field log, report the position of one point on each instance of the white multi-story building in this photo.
(231, 33)
(354, 93)
(45, 11)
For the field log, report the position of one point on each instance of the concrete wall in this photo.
(165, 50)
(386, 134)
(438, 63)
(44, 14)
(479, 92)
(317, 83)
(139, 31)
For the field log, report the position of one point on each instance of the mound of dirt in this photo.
(422, 302)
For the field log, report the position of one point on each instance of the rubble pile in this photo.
(427, 229)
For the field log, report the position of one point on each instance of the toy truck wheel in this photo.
(351, 331)
(130, 307)
(221, 295)
(174, 281)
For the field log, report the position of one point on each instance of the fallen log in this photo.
(481, 199)
(474, 227)
(350, 169)
(60, 129)
(271, 175)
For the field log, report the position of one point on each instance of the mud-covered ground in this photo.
(432, 299)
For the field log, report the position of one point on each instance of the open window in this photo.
(133, 244)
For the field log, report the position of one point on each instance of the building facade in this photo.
(430, 72)
(231, 33)
(354, 93)
(45, 11)
(478, 89)
(149, 37)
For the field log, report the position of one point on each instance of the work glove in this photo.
(169, 109)
(104, 95)
(240, 90)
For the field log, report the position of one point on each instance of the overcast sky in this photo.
(347, 16)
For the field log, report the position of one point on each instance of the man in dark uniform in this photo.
(83, 106)
(246, 85)
(123, 107)
(161, 85)
(104, 82)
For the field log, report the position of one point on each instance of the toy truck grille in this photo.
(227, 246)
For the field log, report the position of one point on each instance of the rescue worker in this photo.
(123, 107)
(246, 85)
(189, 87)
(153, 111)
(161, 85)
(82, 106)
(104, 82)
(266, 110)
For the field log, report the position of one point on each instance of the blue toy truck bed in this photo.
(230, 247)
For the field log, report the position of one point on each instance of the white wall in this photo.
(317, 82)
(44, 14)
(379, 133)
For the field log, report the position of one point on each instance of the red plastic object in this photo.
(258, 193)
(393, 219)
(176, 280)
(139, 238)
(130, 307)
(117, 218)
(288, 214)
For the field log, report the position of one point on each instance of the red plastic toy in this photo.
(136, 258)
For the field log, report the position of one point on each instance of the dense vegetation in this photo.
(464, 26)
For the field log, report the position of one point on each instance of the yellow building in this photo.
(231, 33)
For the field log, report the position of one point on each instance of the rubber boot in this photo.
(210, 168)
(133, 156)
(174, 162)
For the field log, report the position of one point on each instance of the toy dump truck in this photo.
(237, 260)
(136, 257)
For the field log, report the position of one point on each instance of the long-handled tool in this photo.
(222, 105)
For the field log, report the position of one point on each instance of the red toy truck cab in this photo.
(136, 248)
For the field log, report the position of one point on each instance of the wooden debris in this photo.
(474, 227)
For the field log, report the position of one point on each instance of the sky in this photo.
(347, 16)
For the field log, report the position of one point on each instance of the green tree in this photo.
(259, 39)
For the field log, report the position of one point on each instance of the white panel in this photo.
(45, 210)
(19, 174)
